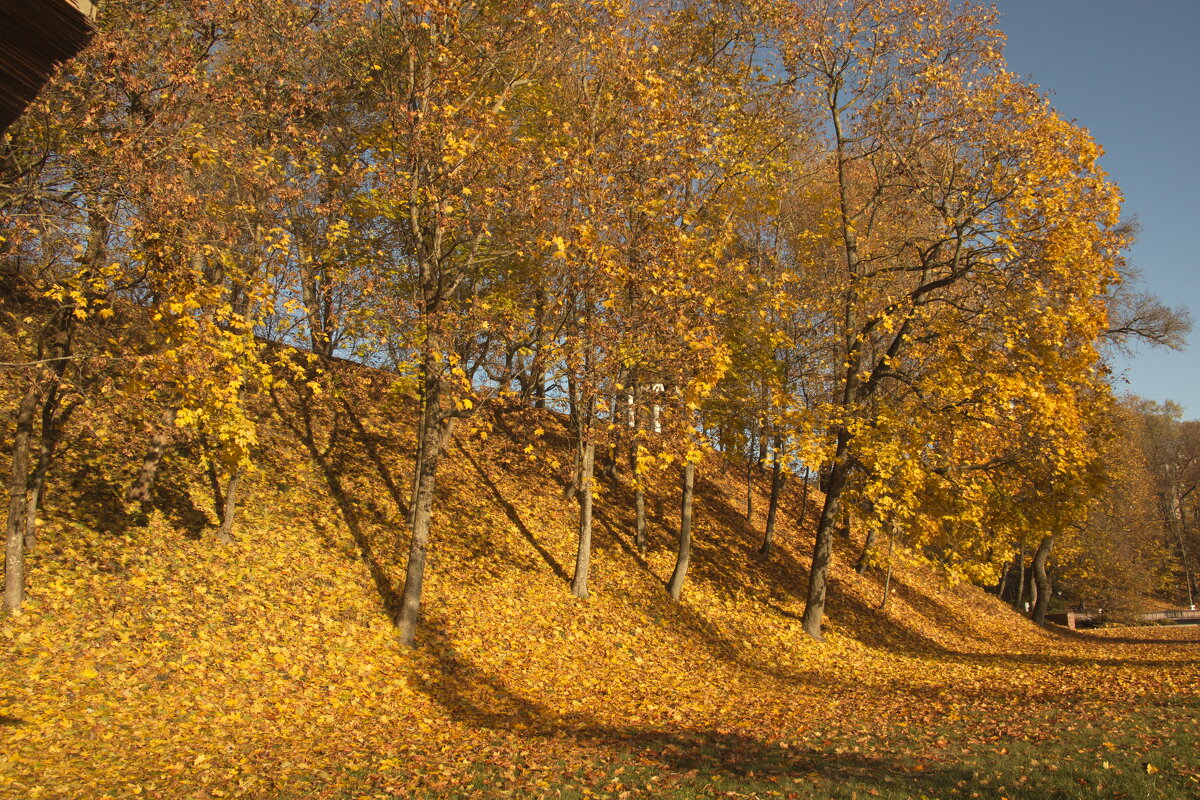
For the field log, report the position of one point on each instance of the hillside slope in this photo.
(153, 661)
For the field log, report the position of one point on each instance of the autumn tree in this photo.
(962, 201)
(446, 167)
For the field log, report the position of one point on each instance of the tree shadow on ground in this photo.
(172, 497)
(331, 460)
(675, 753)
(510, 511)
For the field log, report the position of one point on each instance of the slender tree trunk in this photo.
(750, 486)
(143, 485)
(229, 507)
(419, 457)
(583, 556)
(575, 413)
(684, 556)
(777, 480)
(53, 423)
(14, 552)
(1041, 579)
(639, 500)
(1002, 585)
(429, 449)
(814, 607)
(57, 341)
(1176, 525)
(887, 581)
(804, 497)
(314, 279)
(1019, 604)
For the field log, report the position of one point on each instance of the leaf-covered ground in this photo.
(153, 662)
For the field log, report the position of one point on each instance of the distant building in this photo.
(35, 37)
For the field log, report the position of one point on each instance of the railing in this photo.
(1171, 615)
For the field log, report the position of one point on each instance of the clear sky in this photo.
(1129, 71)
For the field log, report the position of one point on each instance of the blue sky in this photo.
(1129, 71)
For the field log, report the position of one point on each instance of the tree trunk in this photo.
(318, 305)
(52, 425)
(639, 500)
(1175, 524)
(1002, 584)
(814, 607)
(684, 556)
(804, 497)
(778, 478)
(229, 507)
(583, 556)
(1019, 604)
(1042, 580)
(750, 486)
(419, 457)
(214, 485)
(14, 552)
(429, 450)
(143, 486)
(887, 581)
(864, 558)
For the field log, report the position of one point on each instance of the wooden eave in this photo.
(35, 37)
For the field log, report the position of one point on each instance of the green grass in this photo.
(1149, 751)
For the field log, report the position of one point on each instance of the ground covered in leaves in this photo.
(152, 661)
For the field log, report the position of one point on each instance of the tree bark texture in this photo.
(18, 485)
(143, 486)
(684, 555)
(1041, 579)
(778, 478)
(583, 555)
(751, 459)
(229, 507)
(429, 450)
(864, 558)
(53, 422)
(814, 607)
(1019, 604)
(639, 501)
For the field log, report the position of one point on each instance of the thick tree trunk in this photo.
(583, 555)
(778, 478)
(18, 486)
(214, 486)
(430, 451)
(814, 607)
(229, 507)
(1041, 579)
(684, 555)
(143, 486)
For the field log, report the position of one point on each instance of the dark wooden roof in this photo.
(36, 36)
